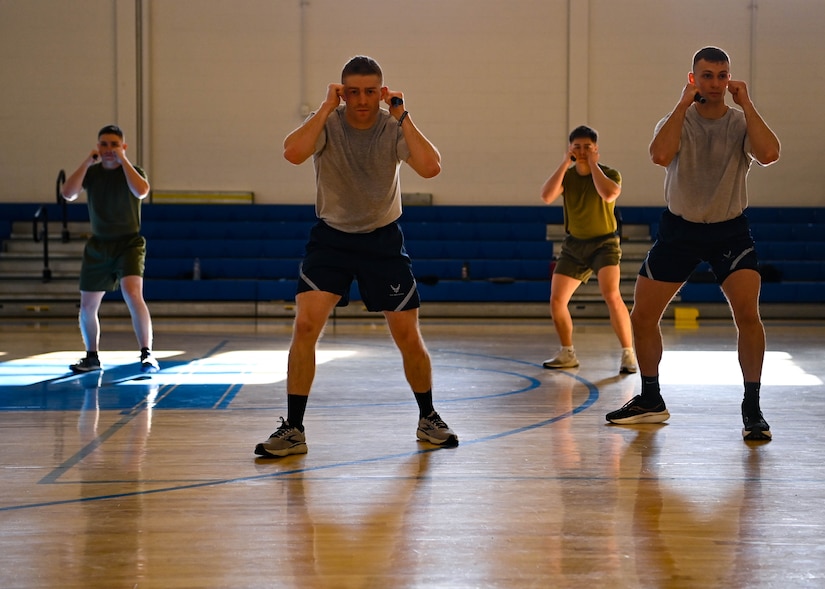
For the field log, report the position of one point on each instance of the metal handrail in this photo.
(64, 204)
(43, 235)
(42, 214)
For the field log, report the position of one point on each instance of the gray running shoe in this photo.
(633, 412)
(86, 364)
(432, 429)
(286, 440)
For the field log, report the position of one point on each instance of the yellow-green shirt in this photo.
(586, 214)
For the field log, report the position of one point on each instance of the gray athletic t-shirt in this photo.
(357, 173)
(706, 181)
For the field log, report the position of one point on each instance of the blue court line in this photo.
(593, 395)
(534, 384)
(228, 396)
(74, 460)
(592, 398)
(94, 444)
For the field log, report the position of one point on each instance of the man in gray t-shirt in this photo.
(357, 148)
(707, 149)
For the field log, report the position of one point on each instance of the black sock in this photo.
(296, 406)
(751, 400)
(425, 403)
(90, 354)
(651, 394)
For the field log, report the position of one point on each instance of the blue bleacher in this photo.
(237, 245)
(252, 252)
(233, 230)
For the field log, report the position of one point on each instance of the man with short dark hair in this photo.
(357, 148)
(707, 149)
(116, 252)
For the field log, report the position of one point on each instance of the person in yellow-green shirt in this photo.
(589, 190)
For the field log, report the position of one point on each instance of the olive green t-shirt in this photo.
(114, 211)
(586, 214)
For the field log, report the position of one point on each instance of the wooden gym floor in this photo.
(111, 480)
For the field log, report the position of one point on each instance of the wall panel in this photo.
(487, 81)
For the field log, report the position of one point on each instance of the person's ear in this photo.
(691, 78)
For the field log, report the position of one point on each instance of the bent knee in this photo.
(613, 298)
(640, 318)
(748, 317)
(306, 327)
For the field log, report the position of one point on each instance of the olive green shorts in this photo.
(581, 258)
(106, 262)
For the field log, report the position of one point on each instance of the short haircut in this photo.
(361, 65)
(583, 131)
(111, 130)
(711, 54)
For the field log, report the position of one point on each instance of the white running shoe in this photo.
(628, 365)
(566, 358)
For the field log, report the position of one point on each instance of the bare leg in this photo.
(561, 290)
(609, 278)
(651, 298)
(312, 311)
(742, 291)
(405, 332)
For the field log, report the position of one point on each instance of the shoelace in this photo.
(435, 419)
(283, 430)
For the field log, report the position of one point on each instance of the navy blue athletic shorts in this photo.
(681, 246)
(377, 260)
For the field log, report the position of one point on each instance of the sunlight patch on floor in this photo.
(238, 367)
(722, 368)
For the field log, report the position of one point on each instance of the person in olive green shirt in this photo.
(591, 246)
(116, 252)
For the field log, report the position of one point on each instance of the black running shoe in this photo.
(86, 364)
(148, 364)
(634, 412)
(755, 426)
